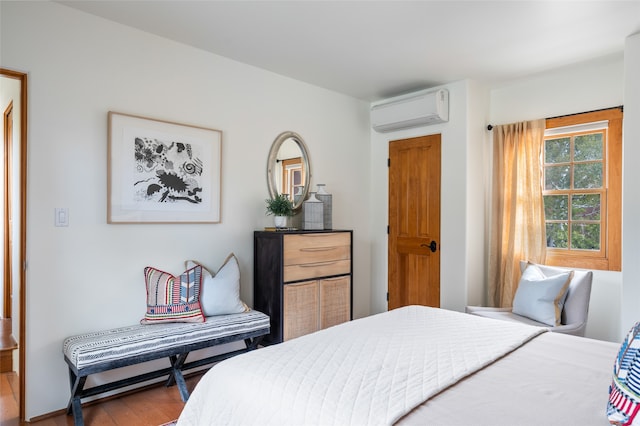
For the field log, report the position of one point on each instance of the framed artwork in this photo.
(162, 172)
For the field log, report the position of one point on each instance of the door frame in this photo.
(22, 217)
(7, 286)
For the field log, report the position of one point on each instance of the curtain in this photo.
(517, 209)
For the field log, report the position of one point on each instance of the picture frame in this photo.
(162, 172)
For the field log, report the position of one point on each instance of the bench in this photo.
(101, 351)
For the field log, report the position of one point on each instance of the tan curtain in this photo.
(517, 209)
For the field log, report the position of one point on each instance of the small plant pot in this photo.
(280, 221)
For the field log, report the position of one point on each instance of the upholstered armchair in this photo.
(575, 310)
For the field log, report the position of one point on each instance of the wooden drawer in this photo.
(316, 255)
(305, 271)
(314, 248)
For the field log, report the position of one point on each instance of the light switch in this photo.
(61, 216)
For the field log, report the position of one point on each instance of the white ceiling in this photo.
(376, 49)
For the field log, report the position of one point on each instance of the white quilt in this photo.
(369, 371)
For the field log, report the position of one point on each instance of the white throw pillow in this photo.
(540, 297)
(220, 293)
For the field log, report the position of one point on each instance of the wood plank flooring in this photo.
(150, 407)
(8, 346)
(8, 402)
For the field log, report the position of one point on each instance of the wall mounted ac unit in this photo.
(408, 111)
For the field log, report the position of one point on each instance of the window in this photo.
(582, 189)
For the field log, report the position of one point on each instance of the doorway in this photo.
(13, 98)
(414, 222)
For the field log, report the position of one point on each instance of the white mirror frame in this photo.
(273, 158)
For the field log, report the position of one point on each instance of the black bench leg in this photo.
(176, 375)
(75, 406)
(253, 344)
(77, 412)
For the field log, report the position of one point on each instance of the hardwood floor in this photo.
(8, 346)
(8, 402)
(150, 407)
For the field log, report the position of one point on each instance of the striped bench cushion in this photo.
(90, 349)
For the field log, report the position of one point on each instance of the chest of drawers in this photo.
(302, 280)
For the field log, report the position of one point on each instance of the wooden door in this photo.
(414, 222)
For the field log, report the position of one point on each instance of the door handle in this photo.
(433, 246)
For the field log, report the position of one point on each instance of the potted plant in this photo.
(280, 207)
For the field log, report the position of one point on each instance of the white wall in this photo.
(579, 88)
(88, 276)
(462, 235)
(630, 177)
(477, 195)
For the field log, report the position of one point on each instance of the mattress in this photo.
(554, 379)
(373, 370)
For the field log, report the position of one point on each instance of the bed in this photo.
(412, 366)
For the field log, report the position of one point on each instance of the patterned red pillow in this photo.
(173, 299)
(624, 392)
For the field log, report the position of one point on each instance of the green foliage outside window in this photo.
(573, 163)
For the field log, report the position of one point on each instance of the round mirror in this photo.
(289, 168)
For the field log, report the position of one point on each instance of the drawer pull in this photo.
(333, 279)
(318, 248)
(313, 265)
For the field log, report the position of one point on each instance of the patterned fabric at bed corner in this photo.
(94, 348)
(624, 392)
(173, 299)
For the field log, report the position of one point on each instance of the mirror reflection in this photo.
(288, 168)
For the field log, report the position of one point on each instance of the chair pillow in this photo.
(221, 292)
(624, 391)
(173, 299)
(540, 297)
(576, 306)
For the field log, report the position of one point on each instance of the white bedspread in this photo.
(369, 371)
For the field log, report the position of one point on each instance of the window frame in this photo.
(610, 255)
